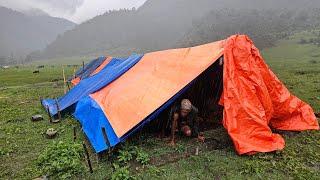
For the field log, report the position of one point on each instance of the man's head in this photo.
(186, 107)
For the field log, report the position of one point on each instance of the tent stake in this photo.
(41, 100)
(87, 157)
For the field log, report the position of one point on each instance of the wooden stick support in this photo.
(48, 111)
(58, 110)
(87, 157)
(74, 73)
(105, 136)
(64, 81)
(74, 133)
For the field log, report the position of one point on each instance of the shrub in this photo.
(142, 157)
(121, 173)
(125, 156)
(61, 160)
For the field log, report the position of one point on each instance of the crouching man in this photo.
(185, 120)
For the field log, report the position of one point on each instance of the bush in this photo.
(142, 157)
(125, 156)
(61, 160)
(128, 153)
(121, 173)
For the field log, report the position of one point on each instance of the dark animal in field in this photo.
(55, 80)
(36, 72)
(42, 66)
(72, 65)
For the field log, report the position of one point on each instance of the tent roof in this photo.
(156, 78)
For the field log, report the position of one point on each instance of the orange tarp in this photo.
(105, 62)
(156, 78)
(254, 100)
(76, 80)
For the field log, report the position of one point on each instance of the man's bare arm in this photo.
(174, 127)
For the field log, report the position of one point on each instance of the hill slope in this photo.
(158, 24)
(21, 34)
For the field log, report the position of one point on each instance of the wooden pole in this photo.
(74, 73)
(74, 133)
(82, 65)
(87, 157)
(64, 81)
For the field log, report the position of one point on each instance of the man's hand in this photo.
(201, 138)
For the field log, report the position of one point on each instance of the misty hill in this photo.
(162, 24)
(22, 33)
(265, 27)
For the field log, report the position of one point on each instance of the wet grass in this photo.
(21, 140)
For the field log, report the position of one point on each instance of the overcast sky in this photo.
(74, 10)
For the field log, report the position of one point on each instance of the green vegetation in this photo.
(61, 160)
(25, 153)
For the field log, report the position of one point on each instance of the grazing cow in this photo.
(36, 72)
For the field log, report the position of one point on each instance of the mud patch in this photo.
(216, 140)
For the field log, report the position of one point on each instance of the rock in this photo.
(51, 133)
(41, 178)
(36, 118)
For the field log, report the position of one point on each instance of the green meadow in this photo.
(24, 147)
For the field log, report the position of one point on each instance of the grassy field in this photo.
(146, 157)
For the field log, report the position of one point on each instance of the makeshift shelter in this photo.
(122, 95)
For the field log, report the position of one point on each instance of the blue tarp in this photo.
(115, 68)
(85, 72)
(92, 119)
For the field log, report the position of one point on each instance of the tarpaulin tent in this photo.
(124, 94)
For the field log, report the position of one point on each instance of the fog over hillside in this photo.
(22, 33)
(156, 25)
(162, 24)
